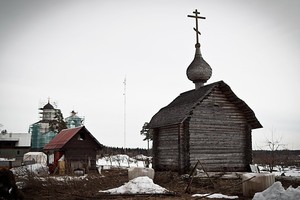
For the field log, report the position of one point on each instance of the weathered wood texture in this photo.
(166, 148)
(82, 147)
(210, 124)
(183, 145)
(218, 134)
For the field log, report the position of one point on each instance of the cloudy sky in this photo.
(79, 52)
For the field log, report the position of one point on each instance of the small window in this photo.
(81, 136)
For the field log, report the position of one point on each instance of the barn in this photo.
(77, 146)
(209, 123)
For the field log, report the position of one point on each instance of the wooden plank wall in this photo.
(219, 135)
(81, 149)
(183, 145)
(166, 148)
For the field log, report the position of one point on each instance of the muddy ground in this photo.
(49, 188)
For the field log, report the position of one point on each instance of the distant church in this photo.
(52, 121)
(74, 120)
(209, 123)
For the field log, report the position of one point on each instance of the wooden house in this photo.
(210, 124)
(14, 145)
(77, 146)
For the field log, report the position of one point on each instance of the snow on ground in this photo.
(288, 171)
(145, 185)
(215, 196)
(276, 191)
(139, 185)
(38, 168)
(121, 160)
(291, 171)
(7, 159)
(142, 157)
(67, 178)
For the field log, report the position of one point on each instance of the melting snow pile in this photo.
(123, 161)
(39, 169)
(139, 185)
(215, 196)
(276, 191)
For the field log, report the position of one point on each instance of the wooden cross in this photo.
(196, 29)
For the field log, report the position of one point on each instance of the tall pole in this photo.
(124, 113)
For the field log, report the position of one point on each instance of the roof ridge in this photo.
(78, 127)
(184, 104)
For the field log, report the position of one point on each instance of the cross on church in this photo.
(196, 29)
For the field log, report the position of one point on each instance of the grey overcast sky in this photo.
(79, 52)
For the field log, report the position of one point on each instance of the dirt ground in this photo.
(88, 188)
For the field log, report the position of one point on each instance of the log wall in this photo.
(219, 135)
(183, 145)
(165, 148)
(82, 149)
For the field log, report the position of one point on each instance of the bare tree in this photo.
(272, 157)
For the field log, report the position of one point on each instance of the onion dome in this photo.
(48, 106)
(199, 70)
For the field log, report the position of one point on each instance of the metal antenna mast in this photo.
(124, 113)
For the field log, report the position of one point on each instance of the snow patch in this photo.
(276, 191)
(139, 185)
(68, 178)
(215, 196)
(123, 161)
(38, 168)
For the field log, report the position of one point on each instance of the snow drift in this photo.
(276, 191)
(139, 185)
(215, 196)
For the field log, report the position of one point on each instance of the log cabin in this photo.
(209, 123)
(78, 147)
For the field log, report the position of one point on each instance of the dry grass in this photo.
(51, 187)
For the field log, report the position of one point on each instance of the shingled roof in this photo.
(181, 107)
(64, 136)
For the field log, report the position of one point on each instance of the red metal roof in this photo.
(62, 138)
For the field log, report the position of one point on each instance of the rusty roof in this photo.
(64, 136)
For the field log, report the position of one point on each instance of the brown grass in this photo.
(48, 187)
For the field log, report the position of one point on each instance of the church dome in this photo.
(48, 106)
(199, 70)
